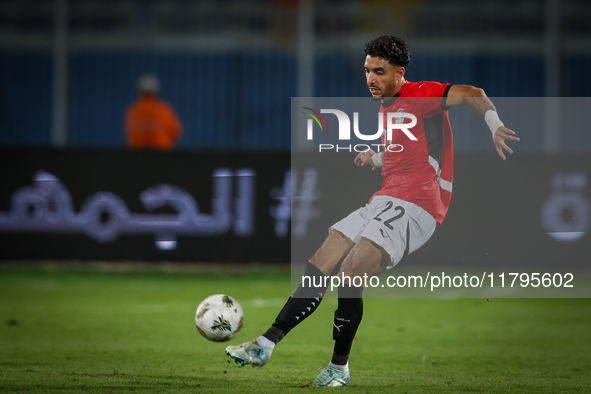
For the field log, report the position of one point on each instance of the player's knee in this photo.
(319, 264)
(366, 258)
(330, 255)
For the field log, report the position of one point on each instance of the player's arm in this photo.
(459, 95)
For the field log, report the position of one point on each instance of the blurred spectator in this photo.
(150, 122)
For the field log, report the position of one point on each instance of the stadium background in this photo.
(87, 320)
(68, 70)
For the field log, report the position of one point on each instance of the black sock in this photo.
(346, 321)
(300, 305)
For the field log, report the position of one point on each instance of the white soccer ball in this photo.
(219, 318)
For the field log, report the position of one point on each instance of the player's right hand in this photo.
(364, 158)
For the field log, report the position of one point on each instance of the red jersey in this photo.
(422, 173)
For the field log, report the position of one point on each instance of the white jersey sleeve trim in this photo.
(435, 165)
(445, 185)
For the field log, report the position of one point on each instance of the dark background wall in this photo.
(530, 212)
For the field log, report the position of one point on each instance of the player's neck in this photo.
(399, 85)
(388, 100)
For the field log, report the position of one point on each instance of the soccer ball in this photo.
(219, 318)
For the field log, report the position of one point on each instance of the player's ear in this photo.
(401, 70)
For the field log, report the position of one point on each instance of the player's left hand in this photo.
(501, 135)
(364, 159)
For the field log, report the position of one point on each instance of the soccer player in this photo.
(399, 218)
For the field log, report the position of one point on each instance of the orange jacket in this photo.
(151, 123)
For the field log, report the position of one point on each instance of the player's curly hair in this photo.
(390, 48)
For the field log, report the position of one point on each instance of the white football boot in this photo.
(332, 377)
(249, 353)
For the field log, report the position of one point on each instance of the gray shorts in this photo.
(398, 226)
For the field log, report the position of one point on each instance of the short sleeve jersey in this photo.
(422, 171)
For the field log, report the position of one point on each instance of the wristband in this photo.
(378, 159)
(492, 120)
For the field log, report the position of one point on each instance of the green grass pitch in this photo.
(107, 332)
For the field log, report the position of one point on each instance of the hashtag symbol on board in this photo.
(302, 199)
